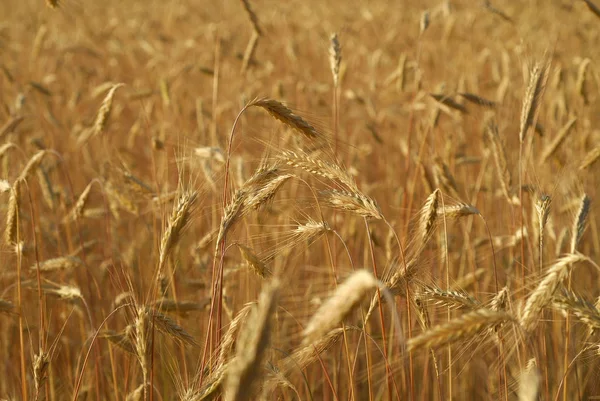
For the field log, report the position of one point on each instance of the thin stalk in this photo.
(383, 336)
(19, 306)
(449, 314)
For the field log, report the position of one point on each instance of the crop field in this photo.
(285, 200)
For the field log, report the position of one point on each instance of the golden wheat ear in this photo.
(538, 77)
(245, 371)
(346, 298)
(464, 327)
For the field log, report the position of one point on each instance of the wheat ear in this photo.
(346, 298)
(462, 328)
(246, 370)
(542, 295)
(538, 78)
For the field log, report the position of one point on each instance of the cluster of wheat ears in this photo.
(166, 237)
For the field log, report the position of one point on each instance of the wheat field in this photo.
(266, 200)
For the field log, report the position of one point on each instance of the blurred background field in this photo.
(120, 239)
